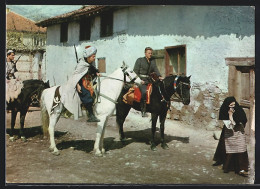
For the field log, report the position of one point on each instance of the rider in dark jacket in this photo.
(143, 67)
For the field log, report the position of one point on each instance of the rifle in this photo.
(76, 54)
(18, 59)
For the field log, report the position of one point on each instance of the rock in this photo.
(216, 135)
(213, 116)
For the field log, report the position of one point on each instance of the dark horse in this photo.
(159, 104)
(31, 88)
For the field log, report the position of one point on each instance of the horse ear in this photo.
(124, 65)
(48, 83)
(189, 76)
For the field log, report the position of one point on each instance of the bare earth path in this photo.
(188, 161)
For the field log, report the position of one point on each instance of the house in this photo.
(29, 42)
(187, 40)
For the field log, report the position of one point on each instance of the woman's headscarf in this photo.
(239, 114)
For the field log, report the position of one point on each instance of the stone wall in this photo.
(203, 110)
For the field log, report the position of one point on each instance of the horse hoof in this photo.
(123, 139)
(165, 146)
(98, 154)
(153, 148)
(51, 149)
(56, 153)
(12, 139)
(103, 151)
(23, 139)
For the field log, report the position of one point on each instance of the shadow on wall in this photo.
(192, 21)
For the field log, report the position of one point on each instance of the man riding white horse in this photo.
(80, 85)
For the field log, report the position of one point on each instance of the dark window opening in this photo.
(106, 24)
(85, 29)
(64, 32)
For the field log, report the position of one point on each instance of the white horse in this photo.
(110, 89)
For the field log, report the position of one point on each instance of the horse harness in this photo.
(175, 86)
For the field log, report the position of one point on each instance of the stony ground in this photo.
(188, 160)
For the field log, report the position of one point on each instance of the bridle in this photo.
(175, 87)
(126, 74)
(180, 85)
(132, 80)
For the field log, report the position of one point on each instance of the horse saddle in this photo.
(134, 94)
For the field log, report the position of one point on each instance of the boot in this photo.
(91, 116)
(143, 108)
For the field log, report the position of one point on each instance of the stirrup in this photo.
(144, 114)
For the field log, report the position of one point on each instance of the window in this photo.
(64, 32)
(176, 60)
(106, 24)
(85, 29)
(102, 65)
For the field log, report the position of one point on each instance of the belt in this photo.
(141, 75)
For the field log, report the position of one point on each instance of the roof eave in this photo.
(76, 16)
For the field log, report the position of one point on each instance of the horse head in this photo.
(129, 75)
(183, 89)
(178, 86)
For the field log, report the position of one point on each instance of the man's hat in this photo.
(88, 51)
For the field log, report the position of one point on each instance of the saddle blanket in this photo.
(134, 94)
(13, 89)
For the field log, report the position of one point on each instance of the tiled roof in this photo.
(16, 22)
(85, 10)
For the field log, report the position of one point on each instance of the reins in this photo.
(108, 98)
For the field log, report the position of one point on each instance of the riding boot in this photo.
(143, 108)
(91, 116)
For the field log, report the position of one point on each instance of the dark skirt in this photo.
(233, 161)
(85, 95)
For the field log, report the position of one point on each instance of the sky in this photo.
(42, 12)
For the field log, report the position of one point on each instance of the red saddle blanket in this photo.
(134, 94)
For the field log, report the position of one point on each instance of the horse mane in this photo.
(32, 82)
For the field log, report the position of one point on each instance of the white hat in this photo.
(10, 51)
(88, 51)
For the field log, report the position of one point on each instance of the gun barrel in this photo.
(18, 59)
(76, 54)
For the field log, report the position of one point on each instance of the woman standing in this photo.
(232, 150)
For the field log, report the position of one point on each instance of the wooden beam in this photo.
(240, 61)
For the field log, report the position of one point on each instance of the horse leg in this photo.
(121, 113)
(22, 118)
(102, 138)
(13, 118)
(53, 120)
(100, 129)
(162, 121)
(154, 120)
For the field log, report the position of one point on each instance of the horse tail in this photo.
(44, 115)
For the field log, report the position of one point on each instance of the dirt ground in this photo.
(188, 160)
